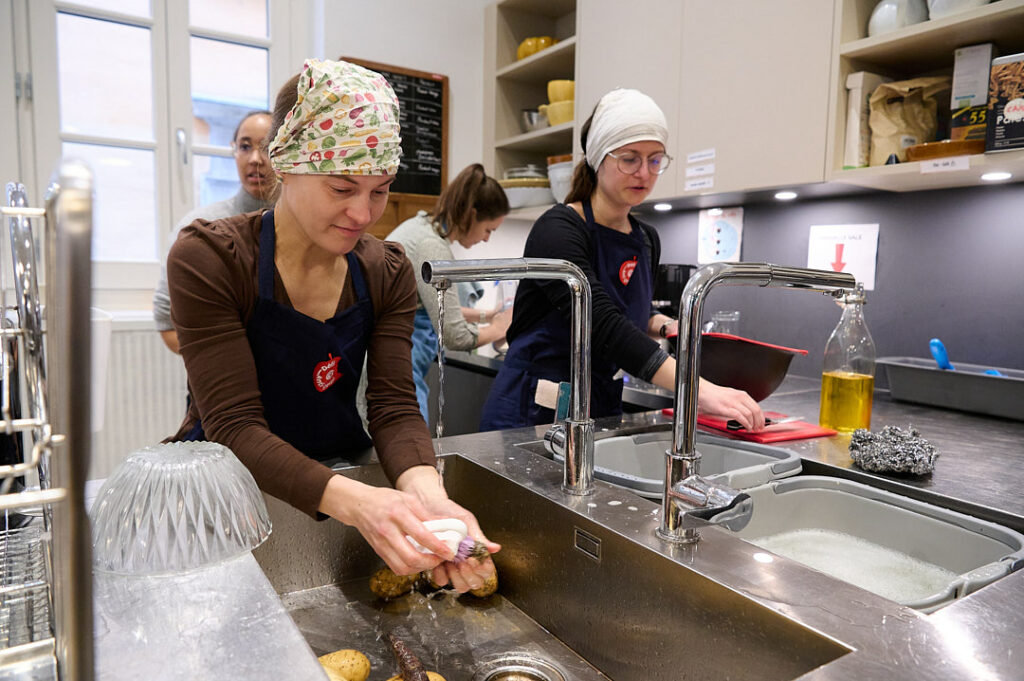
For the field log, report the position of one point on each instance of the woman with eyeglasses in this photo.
(624, 146)
(257, 191)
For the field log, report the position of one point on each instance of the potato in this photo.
(433, 676)
(384, 583)
(489, 587)
(350, 665)
(333, 675)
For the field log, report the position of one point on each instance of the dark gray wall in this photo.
(950, 265)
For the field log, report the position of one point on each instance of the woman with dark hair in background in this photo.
(257, 192)
(469, 209)
(624, 145)
(276, 312)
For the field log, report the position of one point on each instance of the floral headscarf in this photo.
(345, 121)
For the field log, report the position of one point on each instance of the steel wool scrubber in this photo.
(894, 449)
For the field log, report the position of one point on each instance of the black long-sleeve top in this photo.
(561, 233)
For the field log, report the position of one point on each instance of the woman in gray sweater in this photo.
(469, 209)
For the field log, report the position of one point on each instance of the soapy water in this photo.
(882, 571)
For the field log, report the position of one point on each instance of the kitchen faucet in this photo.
(573, 439)
(686, 492)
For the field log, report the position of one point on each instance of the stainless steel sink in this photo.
(917, 554)
(586, 599)
(636, 461)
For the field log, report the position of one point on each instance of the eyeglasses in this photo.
(629, 162)
(246, 148)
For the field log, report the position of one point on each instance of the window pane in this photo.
(215, 177)
(228, 81)
(138, 8)
(124, 218)
(245, 17)
(105, 78)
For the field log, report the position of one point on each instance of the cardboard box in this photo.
(859, 85)
(969, 97)
(1006, 104)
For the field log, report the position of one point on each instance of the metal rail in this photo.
(46, 566)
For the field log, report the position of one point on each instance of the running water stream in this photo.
(440, 372)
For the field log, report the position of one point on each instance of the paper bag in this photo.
(903, 113)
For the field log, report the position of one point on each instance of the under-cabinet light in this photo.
(663, 207)
(785, 196)
(996, 176)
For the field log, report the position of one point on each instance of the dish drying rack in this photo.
(45, 543)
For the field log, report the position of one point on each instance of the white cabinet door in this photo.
(631, 45)
(754, 88)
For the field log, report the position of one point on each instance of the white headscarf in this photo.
(622, 117)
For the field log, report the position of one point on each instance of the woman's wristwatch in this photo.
(663, 331)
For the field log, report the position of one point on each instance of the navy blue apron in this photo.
(623, 266)
(308, 370)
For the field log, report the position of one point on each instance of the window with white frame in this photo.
(149, 93)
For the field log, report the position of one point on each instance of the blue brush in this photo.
(939, 353)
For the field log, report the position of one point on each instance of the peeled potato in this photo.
(348, 664)
(433, 676)
(384, 583)
(489, 587)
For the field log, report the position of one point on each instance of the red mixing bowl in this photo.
(753, 366)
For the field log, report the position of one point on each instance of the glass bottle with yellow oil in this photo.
(848, 373)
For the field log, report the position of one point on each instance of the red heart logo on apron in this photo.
(626, 271)
(326, 373)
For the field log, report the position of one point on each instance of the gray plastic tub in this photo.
(967, 388)
(956, 554)
(637, 462)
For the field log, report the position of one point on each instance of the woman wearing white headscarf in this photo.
(624, 144)
(276, 310)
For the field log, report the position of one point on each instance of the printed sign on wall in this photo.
(719, 235)
(845, 248)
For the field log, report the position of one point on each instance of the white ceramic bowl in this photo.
(174, 507)
(521, 197)
(941, 8)
(890, 15)
(560, 175)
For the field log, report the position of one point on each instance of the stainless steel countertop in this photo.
(976, 637)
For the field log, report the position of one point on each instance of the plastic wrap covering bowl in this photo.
(175, 507)
(755, 367)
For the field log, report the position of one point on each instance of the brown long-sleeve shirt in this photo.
(212, 274)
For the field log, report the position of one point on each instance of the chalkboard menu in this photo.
(423, 99)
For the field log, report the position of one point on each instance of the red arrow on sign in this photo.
(838, 265)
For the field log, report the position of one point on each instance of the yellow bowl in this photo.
(558, 112)
(561, 91)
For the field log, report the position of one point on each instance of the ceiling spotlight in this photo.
(663, 207)
(996, 177)
(715, 212)
(785, 196)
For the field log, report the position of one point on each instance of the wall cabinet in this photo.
(754, 76)
(632, 45)
(920, 49)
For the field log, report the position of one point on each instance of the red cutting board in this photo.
(794, 430)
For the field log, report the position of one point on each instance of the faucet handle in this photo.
(554, 440)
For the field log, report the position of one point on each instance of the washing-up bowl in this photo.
(637, 461)
(908, 551)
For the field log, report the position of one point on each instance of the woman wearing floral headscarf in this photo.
(276, 310)
(624, 144)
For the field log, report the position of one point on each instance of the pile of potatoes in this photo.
(352, 665)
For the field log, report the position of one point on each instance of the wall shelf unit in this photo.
(917, 50)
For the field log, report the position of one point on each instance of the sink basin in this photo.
(637, 461)
(592, 602)
(914, 553)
